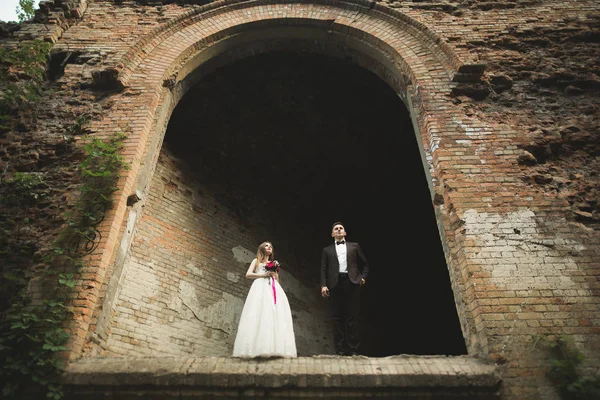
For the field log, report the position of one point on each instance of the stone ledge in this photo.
(457, 377)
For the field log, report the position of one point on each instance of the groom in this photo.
(344, 271)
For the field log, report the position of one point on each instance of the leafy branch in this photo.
(25, 10)
(565, 370)
(32, 330)
(22, 74)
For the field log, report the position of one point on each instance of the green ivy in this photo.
(22, 74)
(565, 370)
(100, 171)
(35, 301)
(23, 188)
(32, 331)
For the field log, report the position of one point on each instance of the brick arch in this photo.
(366, 18)
(163, 65)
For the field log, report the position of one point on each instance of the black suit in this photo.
(344, 293)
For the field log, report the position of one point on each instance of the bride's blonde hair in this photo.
(261, 255)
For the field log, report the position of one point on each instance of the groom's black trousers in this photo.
(345, 311)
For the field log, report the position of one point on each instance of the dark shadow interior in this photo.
(298, 141)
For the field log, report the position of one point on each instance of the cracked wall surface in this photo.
(184, 288)
(504, 100)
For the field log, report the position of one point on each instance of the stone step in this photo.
(322, 376)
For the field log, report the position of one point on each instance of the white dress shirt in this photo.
(340, 249)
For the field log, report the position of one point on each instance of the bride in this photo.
(265, 328)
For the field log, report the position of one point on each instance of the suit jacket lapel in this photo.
(335, 257)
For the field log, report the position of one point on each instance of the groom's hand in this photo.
(325, 291)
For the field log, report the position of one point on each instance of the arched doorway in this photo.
(162, 71)
(328, 141)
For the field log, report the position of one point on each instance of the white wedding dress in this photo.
(265, 328)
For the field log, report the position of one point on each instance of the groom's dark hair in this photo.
(337, 223)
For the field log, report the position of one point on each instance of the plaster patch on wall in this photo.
(460, 123)
(481, 150)
(470, 130)
(187, 295)
(434, 143)
(243, 255)
(518, 255)
(223, 314)
(233, 277)
(195, 270)
(174, 303)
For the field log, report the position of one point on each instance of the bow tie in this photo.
(342, 242)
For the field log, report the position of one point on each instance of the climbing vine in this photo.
(565, 370)
(22, 73)
(35, 301)
(32, 331)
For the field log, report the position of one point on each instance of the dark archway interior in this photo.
(303, 140)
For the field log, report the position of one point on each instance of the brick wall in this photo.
(184, 288)
(510, 149)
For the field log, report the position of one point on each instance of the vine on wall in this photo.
(32, 331)
(565, 370)
(22, 73)
(35, 301)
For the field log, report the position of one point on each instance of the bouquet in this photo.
(273, 266)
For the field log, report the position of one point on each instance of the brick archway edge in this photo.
(339, 15)
(151, 70)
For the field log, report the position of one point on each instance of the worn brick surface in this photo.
(312, 377)
(507, 116)
(184, 286)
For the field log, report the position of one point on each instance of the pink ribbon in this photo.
(274, 293)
